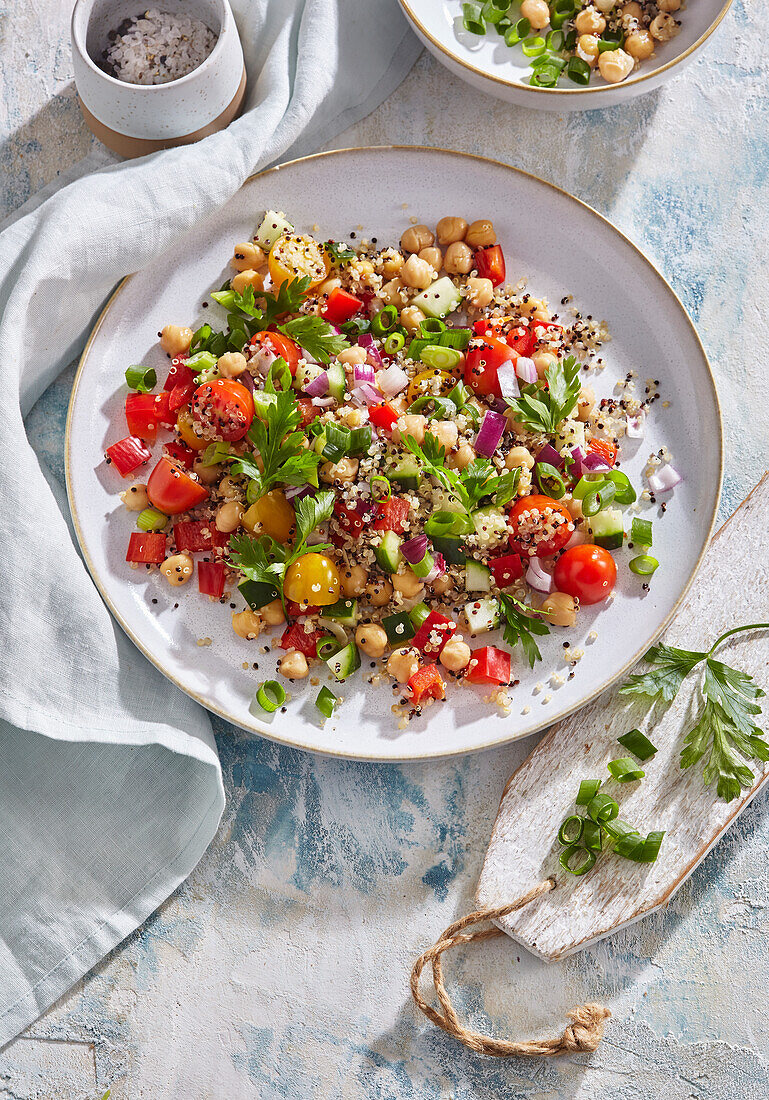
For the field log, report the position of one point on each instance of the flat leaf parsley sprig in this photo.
(542, 410)
(725, 729)
(468, 487)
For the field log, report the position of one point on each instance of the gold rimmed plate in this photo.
(566, 249)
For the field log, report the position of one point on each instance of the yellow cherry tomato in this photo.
(189, 431)
(272, 515)
(424, 383)
(313, 579)
(295, 255)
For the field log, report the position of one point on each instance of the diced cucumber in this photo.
(337, 383)
(571, 433)
(398, 628)
(477, 576)
(405, 473)
(345, 662)
(451, 547)
(441, 298)
(257, 593)
(306, 373)
(343, 611)
(482, 615)
(608, 528)
(418, 614)
(273, 225)
(388, 552)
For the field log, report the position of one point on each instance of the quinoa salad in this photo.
(386, 454)
(574, 38)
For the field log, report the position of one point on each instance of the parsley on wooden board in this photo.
(725, 732)
(520, 624)
(543, 410)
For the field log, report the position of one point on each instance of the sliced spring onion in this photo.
(533, 46)
(554, 40)
(142, 379)
(578, 71)
(585, 856)
(327, 647)
(587, 482)
(651, 847)
(644, 565)
(377, 479)
(592, 837)
(441, 358)
(624, 770)
(597, 499)
(546, 76)
(517, 32)
(432, 326)
(394, 343)
(605, 47)
(638, 743)
(443, 523)
(495, 10)
(641, 531)
(472, 18)
(549, 480)
(571, 830)
(624, 493)
(602, 808)
(326, 702)
(419, 612)
(385, 320)
(149, 519)
(271, 695)
(631, 846)
(457, 338)
(588, 789)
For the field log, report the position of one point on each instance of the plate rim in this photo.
(527, 89)
(268, 732)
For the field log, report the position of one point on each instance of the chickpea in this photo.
(574, 508)
(231, 364)
(330, 284)
(446, 432)
(590, 21)
(450, 230)
(458, 259)
(178, 569)
(537, 12)
(462, 457)
(639, 45)
(135, 498)
(587, 49)
(605, 5)
(345, 470)
(632, 10)
(272, 613)
(352, 417)
(519, 456)
(248, 257)
(443, 584)
(379, 593)
(352, 357)
(294, 665)
(668, 5)
(481, 234)
(411, 424)
(479, 292)
(432, 256)
(354, 579)
(455, 655)
(231, 489)
(560, 609)
(411, 318)
(392, 293)
(543, 361)
(417, 273)
(371, 639)
(615, 65)
(407, 583)
(207, 474)
(175, 339)
(392, 262)
(247, 624)
(228, 516)
(585, 403)
(247, 278)
(416, 238)
(403, 663)
(663, 27)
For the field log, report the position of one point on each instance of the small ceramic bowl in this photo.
(135, 119)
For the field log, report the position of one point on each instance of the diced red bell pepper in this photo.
(195, 536)
(605, 449)
(147, 546)
(211, 576)
(426, 683)
(180, 395)
(392, 515)
(294, 610)
(522, 340)
(180, 453)
(490, 264)
(140, 416)
(488, 665)
(163, 414)
(307, 410)
(383, 416)
(506, 569)
(296, 637)
(341, 306)
(179, 373)
(433, 634)
(353, 520)
(128, 455)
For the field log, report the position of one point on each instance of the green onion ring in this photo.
(271, 695)
(644, 565)
(549, 480)
(439, 357)
(394, 343)
(326, 702)
(388, 487)
(533, 46)
(584, 866)
(638, 743)
(651, 848)
(431, 326)
(588, 789)
(624, 770)
(327, 647)
(592, 837)
(597, 499)
(571, 830)
(602, 808)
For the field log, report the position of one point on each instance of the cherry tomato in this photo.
(340, 306)
(530, 516)
(189, 431)
(482, 364)
(171, 489)
(225, 408)
(586, 572)
(522, 340)
(490, 263)
(604, 448)
(313, 579)
(307, 410)
(279, 345)
(271, 515)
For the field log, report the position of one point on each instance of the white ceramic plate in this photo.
(489, 65)
(566, 248)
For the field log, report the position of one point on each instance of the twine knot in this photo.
(587, 1030)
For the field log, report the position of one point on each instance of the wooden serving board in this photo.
(732, 588)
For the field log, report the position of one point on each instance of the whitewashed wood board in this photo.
(732, 588)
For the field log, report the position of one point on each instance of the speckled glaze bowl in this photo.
(135, 119)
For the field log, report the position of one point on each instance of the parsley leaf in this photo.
(520, 625)
(288, 299)
(469, 486)
(673, 666)
(311, 512)
(543, 410)
(318, 338)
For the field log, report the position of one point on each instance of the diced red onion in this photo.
(414, 549)
(490, 432)
(636, 426)
(319, 386)
(526, 369)
(297, 492)
(665, 479)
(438, 569)
(374, 358)
(322, 402)
(537, 577)
(247, 379)
(508, 383)
(392, 380)
(549, 454)
(363, 372)
(577, 538)
(365, 394)
(263, 360)
(579, 457)
(593, 461)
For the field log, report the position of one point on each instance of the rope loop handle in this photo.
(584, 1033)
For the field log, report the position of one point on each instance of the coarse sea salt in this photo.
(158, 47)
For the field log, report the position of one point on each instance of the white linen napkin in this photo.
(110, 786)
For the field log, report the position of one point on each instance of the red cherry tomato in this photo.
(341, 306)
(530, 517)
(522, 340)
(490, 263)
(170, 488)
(602, 447)
(279, 345)
(482, 363)
(307, 410)
(587, 572)
(224, 407)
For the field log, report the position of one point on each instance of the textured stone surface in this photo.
(280, 969)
